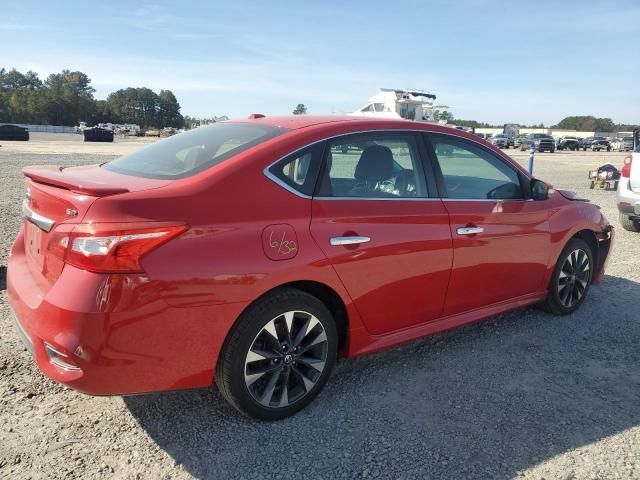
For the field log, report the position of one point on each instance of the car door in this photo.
(387, 238)
(501, 239)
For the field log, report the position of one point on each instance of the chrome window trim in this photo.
(290, 189)
(487, 200)
(283, 184)
(38, 220)
(411, 199)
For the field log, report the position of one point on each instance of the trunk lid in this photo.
(58, 198)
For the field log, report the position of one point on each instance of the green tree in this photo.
(587, 123)
(70, 97)
(442, 115)
(169, 110)
(300, 109)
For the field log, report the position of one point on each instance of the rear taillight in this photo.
(110, 247)
(626, 167)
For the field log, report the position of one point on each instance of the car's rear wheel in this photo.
(571, 278)
(278, 356)
(630, 224)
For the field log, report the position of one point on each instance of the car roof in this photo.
(296, 122)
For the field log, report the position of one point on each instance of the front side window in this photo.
(375, 165)
(191, 152)
(471, 172)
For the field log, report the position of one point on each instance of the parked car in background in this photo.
(628, 193)
(98, 134)
(13, 132)
(624, 144)
(517, 142)
(541, 141)
(568, 143)
(595, 144)
(481, 135)
(500, 140)
(125, 277)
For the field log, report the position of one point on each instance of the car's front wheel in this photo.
(571, 278)
(278, 356)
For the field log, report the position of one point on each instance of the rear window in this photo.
(191, 152)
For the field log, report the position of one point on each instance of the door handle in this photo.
(469, 230)
(348, 240)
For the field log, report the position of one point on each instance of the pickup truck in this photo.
(595, 144)
(568, 143)
(540, 141)
(628, 193)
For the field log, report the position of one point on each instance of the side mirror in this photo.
(539, 190)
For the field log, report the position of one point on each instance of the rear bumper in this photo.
(115, 334)
(627, 200)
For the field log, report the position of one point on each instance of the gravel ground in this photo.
(523, 394)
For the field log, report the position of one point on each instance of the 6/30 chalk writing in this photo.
(283, 246)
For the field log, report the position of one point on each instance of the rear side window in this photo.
(470, 172)
(299, 170)
(191, 152)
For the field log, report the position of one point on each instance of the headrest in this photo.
(375, 164)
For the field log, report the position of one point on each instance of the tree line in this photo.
(587, 123)
(591, 123)
(66, 98)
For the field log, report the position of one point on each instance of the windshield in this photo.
(191, 152)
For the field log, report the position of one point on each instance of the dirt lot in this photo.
(522, 394)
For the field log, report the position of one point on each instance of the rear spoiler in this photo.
(56, 177)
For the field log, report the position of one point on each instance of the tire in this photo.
(628, 223)
(571, 279)
(281, 382)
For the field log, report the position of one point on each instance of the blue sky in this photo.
(492, 61)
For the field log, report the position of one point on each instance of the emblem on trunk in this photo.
(71, 212)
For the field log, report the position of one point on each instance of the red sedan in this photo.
(252, 253)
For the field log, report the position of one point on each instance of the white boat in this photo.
(397, 103)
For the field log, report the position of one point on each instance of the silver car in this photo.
(500, 141)
(628, 193)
